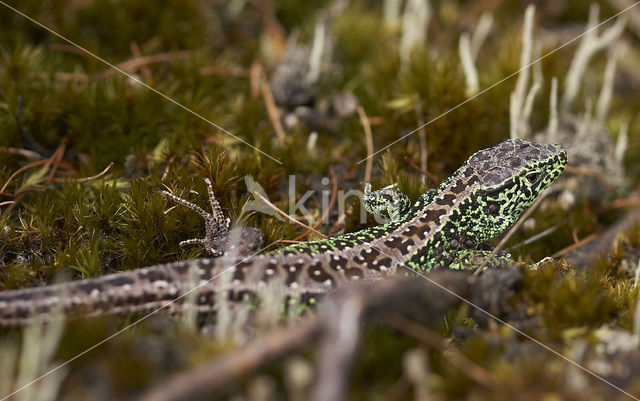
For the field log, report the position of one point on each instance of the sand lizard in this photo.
(484, 197)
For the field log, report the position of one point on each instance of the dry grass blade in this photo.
(325, 214)
(575, 246)
(510, 233)
(369, 140)
(137, 54)
(29, 154)
(55, 159)
(85, 179)
(286, 216)
(272, 110)
(20, 170)
(138, 62)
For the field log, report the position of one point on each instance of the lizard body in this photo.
(479, 201)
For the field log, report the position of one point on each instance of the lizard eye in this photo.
(532, 176)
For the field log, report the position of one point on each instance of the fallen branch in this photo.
(214, 375)
(338, 327)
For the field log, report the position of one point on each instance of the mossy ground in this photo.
(53, 223)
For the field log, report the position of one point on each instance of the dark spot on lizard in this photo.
(317, 273)
(446, 200)
(353, 273)
(459, 187)
(338, 262)
(392, 242)
(432, 215)
(119, 281)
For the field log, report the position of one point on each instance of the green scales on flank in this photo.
(479, 201)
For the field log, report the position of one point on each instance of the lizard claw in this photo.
(218, 238)
(216, 225)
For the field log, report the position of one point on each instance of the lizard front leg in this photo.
(218, 239)
(471, 259)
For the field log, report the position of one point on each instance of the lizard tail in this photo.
(160, 287)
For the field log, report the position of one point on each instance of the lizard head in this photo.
(501, 183)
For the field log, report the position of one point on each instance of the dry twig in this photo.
(137, 54)
(575, 246)
(369, 140)
(422, 135)
(325, 214)
(510, 233)
(138, 62)
(272, 110)
(85, 179)
(286, 216)
(216, 374)
(633, 13)
(29, 154)
(434, 340)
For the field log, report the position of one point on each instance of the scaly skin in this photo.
(480, 201)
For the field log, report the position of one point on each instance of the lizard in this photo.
(481, 200)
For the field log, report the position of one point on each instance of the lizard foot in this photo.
(218, 238)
